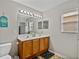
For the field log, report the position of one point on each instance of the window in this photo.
(69, 22)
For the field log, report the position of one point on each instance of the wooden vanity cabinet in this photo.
(46, 42)
(42, 44)
(25, 49)
(36, 46)
(31, 48)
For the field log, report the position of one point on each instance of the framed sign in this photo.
(3, 21)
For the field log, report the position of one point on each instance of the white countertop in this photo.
(24, 38)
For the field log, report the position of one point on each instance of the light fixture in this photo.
(30, 13)
(35, 15)
(25, 12)
(21, 10)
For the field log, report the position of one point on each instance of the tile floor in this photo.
(54, 57)
(39, 57)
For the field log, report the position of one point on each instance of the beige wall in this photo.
(10, 34)
(63, 43)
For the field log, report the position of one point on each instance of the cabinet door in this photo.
(35, 46)
(46, 42)
(42, 44)
(20, 50)
(27, 49)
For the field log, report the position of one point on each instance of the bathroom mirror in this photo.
(26, 24)
(45, 24)
(40, 25)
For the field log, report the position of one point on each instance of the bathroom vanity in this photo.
(31, 47)
(31, 41)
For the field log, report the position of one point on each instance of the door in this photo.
(78, 48)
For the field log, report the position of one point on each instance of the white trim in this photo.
(70, 14)
(5, 44)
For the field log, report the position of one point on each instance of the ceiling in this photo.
(41, 5)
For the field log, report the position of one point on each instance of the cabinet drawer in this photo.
(27, 42)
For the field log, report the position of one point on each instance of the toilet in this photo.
(4, 51)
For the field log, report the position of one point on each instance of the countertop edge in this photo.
(32, 38)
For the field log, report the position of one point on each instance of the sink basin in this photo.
(24, 36)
